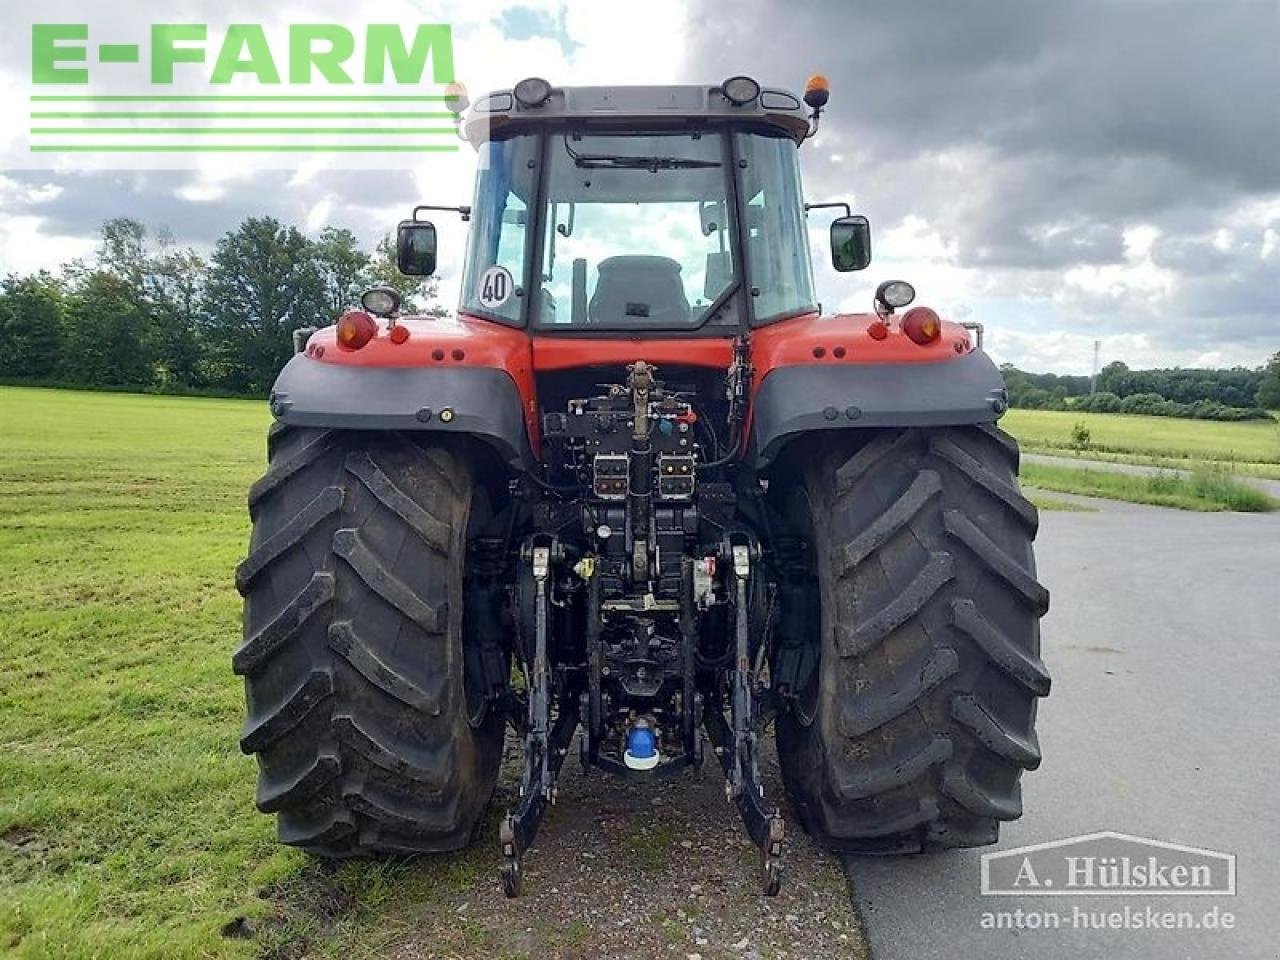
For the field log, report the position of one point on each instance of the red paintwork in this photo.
(564, 353)
(472, 341)
(795, 341)
(443, 342)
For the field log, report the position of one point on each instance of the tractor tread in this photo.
(280, 474)
(349, 545)
(896, 693)
(987, 479)
(881, 449)
(352, 657)
(997, 561)
(304, 786)
(345, 640)
(895, 770)
(407, 820)
(1028, 669)
(323, 830)
(1004, 443)
(981, 802)
(924, 488)
(434, 531)
(284, 627)
(932, 577)
(287, 537)
(379, 751)
(1022, 749)
(284, 716)
(929, 669)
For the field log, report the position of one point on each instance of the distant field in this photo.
(1251, 447)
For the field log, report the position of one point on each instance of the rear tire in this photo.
(920, 712)
(353, 654)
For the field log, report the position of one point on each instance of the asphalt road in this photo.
(1164, 643)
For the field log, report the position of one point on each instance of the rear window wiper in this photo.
(605, 161)
(586, 161)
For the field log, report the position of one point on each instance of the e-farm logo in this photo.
(191, 88)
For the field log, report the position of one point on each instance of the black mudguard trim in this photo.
(830, 396)
(485, 401)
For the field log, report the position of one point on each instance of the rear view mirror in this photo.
(416, 248)
(850, 243)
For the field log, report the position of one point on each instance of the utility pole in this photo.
(1093, 380)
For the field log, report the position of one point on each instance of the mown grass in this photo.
(127, 826)
(1249, 447)
(1205, 489)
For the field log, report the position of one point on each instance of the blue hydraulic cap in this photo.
(642, 747)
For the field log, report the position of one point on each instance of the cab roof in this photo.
(499, 113)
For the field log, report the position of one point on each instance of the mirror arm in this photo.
(464, 212)
(815, 120)
(566, 230)
(848, 211)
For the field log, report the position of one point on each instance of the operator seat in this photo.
(642, 291)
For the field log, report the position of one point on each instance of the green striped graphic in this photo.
(231, 98)
(243, 148)
(209, 131)
(240, 115)
(64, 107)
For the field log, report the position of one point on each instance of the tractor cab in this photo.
(671, 210)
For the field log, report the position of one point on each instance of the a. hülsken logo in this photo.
(1108, 864)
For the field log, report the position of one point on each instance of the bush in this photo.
(1080, 436)
(1219, 486)
(1144, 404)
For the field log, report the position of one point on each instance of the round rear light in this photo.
(355, 329)
(922, 325)
(877, 330)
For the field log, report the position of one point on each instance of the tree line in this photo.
(145, 314)
(1238, 393)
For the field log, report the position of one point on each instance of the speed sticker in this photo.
(496, 287)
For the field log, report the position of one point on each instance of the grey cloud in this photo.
(83, 201)
(1033, 135)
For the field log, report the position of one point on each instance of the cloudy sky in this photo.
(1063, 172)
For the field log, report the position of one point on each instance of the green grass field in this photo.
(126, 819)
(1251, 447)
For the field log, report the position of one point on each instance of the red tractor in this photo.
(641, 490)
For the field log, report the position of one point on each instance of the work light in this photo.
(380, 301)
(740, 90)
(532, 92)
(895, 293)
